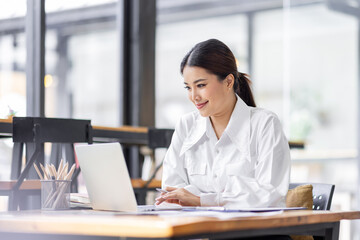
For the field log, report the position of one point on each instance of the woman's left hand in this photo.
(179, 196)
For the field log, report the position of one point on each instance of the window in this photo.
(12, 79)
(82, 62)
(305, 70)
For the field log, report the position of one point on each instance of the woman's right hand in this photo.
(179, 196)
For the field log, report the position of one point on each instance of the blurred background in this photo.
(302, 56)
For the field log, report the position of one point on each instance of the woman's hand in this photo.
(179, 196)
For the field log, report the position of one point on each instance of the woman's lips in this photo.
(201, 105)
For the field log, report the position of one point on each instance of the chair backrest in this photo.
(55, 130)
(322, 194)
(160, 138)
(34, 132)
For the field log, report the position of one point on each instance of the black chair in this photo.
(34, 132)
(322, 194)
(322, 197)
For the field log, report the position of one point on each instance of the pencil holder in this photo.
(55, 194)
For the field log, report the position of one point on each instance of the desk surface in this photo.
(6, 120)
(97, 224)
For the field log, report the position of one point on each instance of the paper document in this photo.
(225, 215)
(212, 214)
(224, 209)
(79, 200)
(168, 206)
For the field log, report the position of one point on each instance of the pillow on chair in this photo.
(301, 196)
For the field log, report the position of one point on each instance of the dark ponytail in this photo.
(242, 88)
(217, 58)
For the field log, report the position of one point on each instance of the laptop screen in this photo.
(106, 176)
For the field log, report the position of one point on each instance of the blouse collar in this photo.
(238, 128)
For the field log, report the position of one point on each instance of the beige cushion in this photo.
(301, 196)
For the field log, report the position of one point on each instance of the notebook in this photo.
(107, 178)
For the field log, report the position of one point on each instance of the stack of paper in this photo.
(79, 200)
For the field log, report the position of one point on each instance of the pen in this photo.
(161, 190)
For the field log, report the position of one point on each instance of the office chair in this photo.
(322, 197)
(322, 194)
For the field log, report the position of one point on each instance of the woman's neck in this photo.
(220, 121)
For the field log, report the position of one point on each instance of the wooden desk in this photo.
(125, 134)
(5, 127)
(77, 224)
(6, 120)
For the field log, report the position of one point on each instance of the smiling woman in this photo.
(215, 57)
(209, 95)
(228, 153)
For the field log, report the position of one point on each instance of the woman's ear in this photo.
(229, 80)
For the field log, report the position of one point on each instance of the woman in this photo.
(228, 152)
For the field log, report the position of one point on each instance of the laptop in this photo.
(107, 178)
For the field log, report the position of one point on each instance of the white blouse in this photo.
(249, 166)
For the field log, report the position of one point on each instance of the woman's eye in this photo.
(187, 87)
(201, 85)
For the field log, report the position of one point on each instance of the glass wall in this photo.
(81, 79)
(12, 80)
(13, 9)
(12, 61)
(305, 70)
(81, 65)
(12, 75)
(94, 78)
(81, 62)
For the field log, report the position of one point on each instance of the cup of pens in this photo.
(55, 186)
(55, 194)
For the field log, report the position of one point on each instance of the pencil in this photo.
(69, 175)
(46, 177)
(38, 171)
